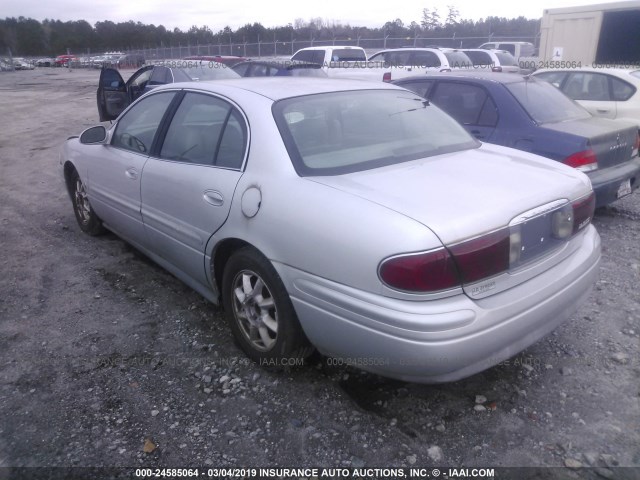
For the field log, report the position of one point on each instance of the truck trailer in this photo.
(602, 34)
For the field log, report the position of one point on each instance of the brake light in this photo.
(421, 272)
(584, 161)
(386, 77)
(636, 146)
(482, 257)
(479, 258)
(583, 211)
(441, 269)
(496, 69)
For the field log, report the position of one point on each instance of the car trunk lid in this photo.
(611, 141)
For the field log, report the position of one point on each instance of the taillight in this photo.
(583, 211)
(485, 256)
(636, 146)
(420, 272)
(584, 161)
(482, 257)
(386, 77)
(496, 69)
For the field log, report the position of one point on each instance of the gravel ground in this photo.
(107, 360)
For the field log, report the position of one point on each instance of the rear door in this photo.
(471, 105)
(188, 185)
(592, 91)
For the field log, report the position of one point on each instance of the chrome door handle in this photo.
(213, 197)
(131, 173)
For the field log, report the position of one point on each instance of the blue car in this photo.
(532, 115)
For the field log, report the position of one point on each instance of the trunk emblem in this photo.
(618, 144)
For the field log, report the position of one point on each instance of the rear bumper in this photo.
(440, 340)
(606, 182)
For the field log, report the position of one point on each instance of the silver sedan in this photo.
(350, 217)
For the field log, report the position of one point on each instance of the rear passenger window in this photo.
(425, 59)
(621, 90)
(206, 130)
(587, 86)
(468, 104)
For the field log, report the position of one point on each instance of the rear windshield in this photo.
(545, 103)
(479, 58)
(506, 59)
(343, 132)
(347, 55)
(458, 60)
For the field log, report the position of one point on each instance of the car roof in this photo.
(275, 88)
(493, 77)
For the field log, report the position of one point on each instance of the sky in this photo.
(216, 14)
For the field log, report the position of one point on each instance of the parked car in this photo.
(131, 60)
(605, 92)
(531, 115)
(114, 94)
(519, 50)
(285, 68)
(406, 62)
(64, 60)
(45, 62)
(492, 60)
(20, 63)
(352, 216)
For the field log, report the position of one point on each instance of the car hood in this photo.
(464, 194)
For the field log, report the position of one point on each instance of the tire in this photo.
(87, 219)
(262, 319)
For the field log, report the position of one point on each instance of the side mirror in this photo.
(93, 135)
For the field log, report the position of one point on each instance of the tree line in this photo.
(29, 37)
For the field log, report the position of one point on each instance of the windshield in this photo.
(545, 103)
(343, 132)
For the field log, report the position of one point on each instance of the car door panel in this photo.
(114, 175)
(182, 206)
(114, 188)
(112, 94)
(187, 192)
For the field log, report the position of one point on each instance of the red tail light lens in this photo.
(584, 161)
(583, 211)
(421, 272)
(386, 77)
(636, 147)
(482, 257)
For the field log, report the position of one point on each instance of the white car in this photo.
(605, 92)
(492, 60)
(405, 62)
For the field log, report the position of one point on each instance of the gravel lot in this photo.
(107, 360)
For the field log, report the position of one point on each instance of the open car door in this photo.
(112, 94)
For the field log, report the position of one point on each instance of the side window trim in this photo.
(164, 124)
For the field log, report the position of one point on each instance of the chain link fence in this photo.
(282, 48)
